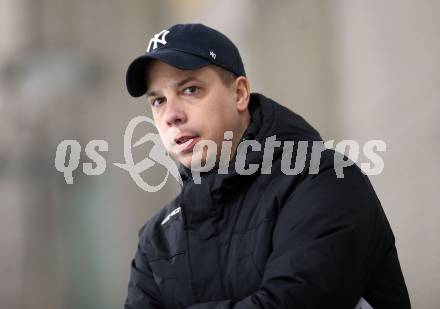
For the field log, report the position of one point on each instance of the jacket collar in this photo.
(268, 118)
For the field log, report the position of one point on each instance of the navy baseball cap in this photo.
(186, 47)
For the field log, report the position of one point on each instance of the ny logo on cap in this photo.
(158, 38)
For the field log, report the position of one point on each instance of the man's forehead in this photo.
(160, 74)
(151, 89)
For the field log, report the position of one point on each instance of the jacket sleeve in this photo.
(328, 236)
(143, 292)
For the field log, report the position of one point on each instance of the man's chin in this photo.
(184, 159)
(195, 163)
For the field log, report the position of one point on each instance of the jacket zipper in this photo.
(222, 277)
(185, 228)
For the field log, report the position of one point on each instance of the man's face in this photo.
(192, 105)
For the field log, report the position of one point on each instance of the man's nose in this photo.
(175, 112)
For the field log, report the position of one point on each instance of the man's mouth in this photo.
(185, 143)
(183, 139)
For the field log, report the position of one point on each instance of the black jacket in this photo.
(269, 240)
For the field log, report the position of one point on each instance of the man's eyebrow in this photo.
(151, 94)
(186, 80)
(178, 84)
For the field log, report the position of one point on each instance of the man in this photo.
(251, 233)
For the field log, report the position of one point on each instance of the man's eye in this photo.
(190, 90)
(157, 101)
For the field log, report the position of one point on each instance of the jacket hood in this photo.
(272, 119)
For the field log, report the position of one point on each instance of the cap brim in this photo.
(135, 78)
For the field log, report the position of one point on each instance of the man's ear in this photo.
(242, 90)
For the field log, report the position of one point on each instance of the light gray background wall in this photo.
(355, 69)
